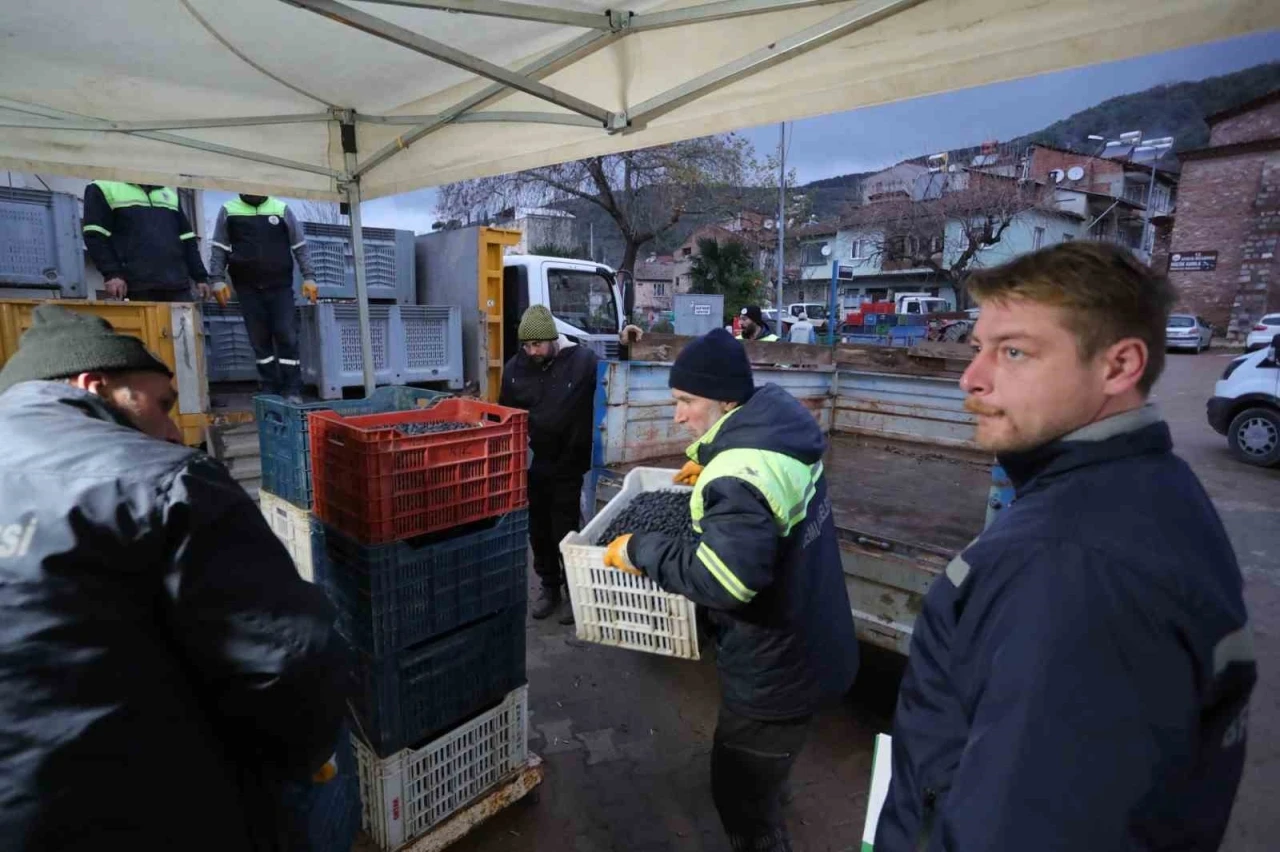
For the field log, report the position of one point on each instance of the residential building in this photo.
(540, 227)
(1224, 245)
(682, 272)
(654, 284)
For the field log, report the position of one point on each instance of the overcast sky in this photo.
(875, 137)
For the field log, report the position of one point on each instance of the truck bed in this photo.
(920, 495)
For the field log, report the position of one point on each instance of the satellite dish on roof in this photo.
(1075, 173)
(1056, 175)
(826, 250)
(768, 224)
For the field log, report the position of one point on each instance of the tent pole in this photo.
(362, 286)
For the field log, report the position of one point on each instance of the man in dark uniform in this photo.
(754, 326)
(766, 565)
(555, 381)
(258, 238)
(141, 242)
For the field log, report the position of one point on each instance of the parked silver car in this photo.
(1187, 331)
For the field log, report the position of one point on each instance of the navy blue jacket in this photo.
(1079, 677)
(775, 595)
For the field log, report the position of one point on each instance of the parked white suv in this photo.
(1246, 407)
(1262, 332)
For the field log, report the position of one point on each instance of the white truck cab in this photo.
(583, 297)
(1246, 407)
(921, 303)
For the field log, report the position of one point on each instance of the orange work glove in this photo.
(616, 556)
(326, 773)
(311, 291)
(222, 293)
(688, 474)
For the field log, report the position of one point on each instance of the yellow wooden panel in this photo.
(492, 242)
(148, 321)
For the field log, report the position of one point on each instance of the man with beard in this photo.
(555, 381)
(257, 238)
(754, 327)
(166, 670)
(1079, 676)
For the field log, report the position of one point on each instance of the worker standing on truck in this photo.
(141, 242)
(1079, 676)
(766, 565)
(754, 326)
(258, 239)
(555, 381)
(166, 671)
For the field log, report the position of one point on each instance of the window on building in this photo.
(686, 251)
(877, 294)
(855, 250)
(812, 254)
(659, 289)
(582, 299)
(1037, 239)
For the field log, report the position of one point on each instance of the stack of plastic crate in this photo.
(331, 811)
(421, 542)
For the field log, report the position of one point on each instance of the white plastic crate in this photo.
(405, 795)
(612, 607)
(293, 527)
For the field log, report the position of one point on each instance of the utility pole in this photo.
(782, 218)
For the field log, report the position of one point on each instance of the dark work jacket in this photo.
(1079, 677)
(767, 563)
(148, 242)
(164, 667)
(560, 399)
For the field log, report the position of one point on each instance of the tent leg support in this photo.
(362, 286)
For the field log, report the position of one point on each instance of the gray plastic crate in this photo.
(228, 355)
(330, 346)
(411, 343)
(432, 344)
(40, 245)
(388, 263)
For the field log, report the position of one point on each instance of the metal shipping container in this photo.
(41, 250)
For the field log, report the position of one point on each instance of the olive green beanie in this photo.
(537, 324)
(62, 343)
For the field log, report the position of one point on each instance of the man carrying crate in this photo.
(555, 381)
(766, 564)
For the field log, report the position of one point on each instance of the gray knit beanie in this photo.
(62, 343)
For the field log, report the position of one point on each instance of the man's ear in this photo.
(91, 382)
(1124, 361)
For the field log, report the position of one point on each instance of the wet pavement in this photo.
(626, 736)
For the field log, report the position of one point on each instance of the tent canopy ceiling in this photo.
(250, 95)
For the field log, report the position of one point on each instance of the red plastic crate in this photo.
(377, 484)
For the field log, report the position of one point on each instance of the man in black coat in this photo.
(165, 668)
(555, 381)
(1080, 674)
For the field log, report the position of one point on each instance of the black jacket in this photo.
(767, 563)
(1079, 677)
(163, 666)
(150, 245)
(560, 398)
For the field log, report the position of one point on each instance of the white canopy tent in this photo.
(349, 100)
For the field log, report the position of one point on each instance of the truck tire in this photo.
(956, 333)
(1254, 436)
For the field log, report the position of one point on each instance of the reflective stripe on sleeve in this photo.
(97, 229)
(189, 235)
(723, 575)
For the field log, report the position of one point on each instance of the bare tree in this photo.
(943, 222)
(646, 192)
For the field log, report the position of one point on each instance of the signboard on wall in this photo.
(1193, 261)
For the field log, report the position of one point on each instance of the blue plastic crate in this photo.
(329, 814)
(285, 443)
(392, 596)
(405, 698)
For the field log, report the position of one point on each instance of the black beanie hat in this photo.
(713, 366)
(62, 343)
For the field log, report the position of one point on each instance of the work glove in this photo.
(688, 474)
(326, 773)
(630, 334)
(616, 556)
(222, 293)
(311, 291)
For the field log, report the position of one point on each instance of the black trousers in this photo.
(554, 511)
(750, 763)
(142, 294)
(272, 321)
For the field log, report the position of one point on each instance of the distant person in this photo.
(166, 671)
(753, 325)
(766, 566)
(1079, 676)
(258, 239)
(141, 242)
(555, 381)
(802, 330)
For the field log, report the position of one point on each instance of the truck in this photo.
(909, 486)
(469, 267)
